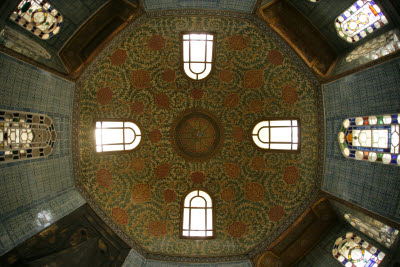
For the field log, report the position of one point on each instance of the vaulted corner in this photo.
(301, 34)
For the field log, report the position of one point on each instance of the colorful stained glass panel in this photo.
(352, 251)
(372, 138)
(25, 135)
(38, 17)
(359, 20)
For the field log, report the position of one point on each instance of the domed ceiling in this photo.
(139, 193)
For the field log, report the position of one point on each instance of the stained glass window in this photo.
(381, 46)
(382, 233)
(197, 54)
(277, 134)
(38, 17)
(352, 251)
(197, 219)
(359, 20)
(25, 135)
(371, 138)
(117, 135)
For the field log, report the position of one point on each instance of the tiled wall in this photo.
(321, 254)
(373, 186)
(135, 260)
(233, 5)
(324, 13)
(31, 188)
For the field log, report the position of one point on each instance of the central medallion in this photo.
(196, 135)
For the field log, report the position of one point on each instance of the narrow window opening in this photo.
(277, 135)
(197, 219)
(25, 135)
(197, 54)
(117, 136)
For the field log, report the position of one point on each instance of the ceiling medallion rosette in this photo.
(197, 135)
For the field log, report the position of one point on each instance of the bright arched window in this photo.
(352, 251)
(25, 135)
(359, 20)
(372, 138)
(197, 219)
(382, 233)
(277, 134)
(37, 17)
(117, 135)
(197, 54)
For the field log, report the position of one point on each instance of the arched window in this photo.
(197, 217)
(38, 17)
(372, 138)
(352, 251)
(197, 54)
(382, 233)
(25, 136)
(359, 20)
(113, 135)
(381, 46)
(277, 134)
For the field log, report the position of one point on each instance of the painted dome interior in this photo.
(139, 77)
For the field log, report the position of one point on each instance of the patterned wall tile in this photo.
(233, 5)
(46, 184)
(136, 260)
(371, 92)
